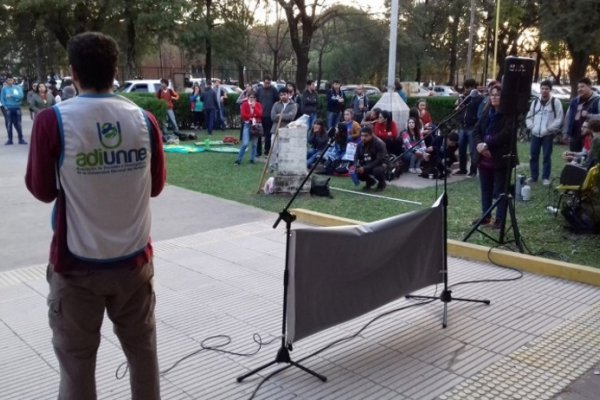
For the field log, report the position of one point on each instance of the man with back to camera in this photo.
(544, 120)
(583, 107)
(100, 157)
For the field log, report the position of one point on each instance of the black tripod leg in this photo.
(313, 373)
(254, 371)
(471, 300)
(515, 227)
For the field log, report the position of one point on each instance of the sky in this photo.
(376, 6)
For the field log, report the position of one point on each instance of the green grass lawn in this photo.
(542, 232)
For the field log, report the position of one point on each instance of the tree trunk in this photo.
(453, 52)
(579, 63)
(130, 54)
(275, 69)
(209, 24)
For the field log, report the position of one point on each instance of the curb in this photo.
(523, 262)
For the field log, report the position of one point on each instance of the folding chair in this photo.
(586, 191)
(570, 181)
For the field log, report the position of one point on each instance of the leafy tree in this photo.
(576, 24)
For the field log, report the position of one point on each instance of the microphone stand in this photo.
(283, 354)
(446, 295)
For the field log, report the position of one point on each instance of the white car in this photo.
(370, 90)
(141, 86)
(444, 90)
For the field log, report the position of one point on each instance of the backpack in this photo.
(319, 186)
(537, 100)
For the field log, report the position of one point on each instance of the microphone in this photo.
(472, 94)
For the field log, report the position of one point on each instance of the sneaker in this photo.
(251, 161)
(22, 141)
(497, 224)
(531, 180)
(472, 174)
(459, 172)
(418, 171)
(380, 187)
(486, 221)
(412, 170)
(546, 182)
(8, 142)
(237, 162)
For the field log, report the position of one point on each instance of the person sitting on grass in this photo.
(414, 148)
(440, 158)
(372, 116)
(369, 160)
(578, 157)
(352, 127)
(386, 129)
(317, 140)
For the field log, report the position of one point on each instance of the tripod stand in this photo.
(283, 354)
(446, 295)
(505, 199)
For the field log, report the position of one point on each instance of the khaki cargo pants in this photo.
(76, 304)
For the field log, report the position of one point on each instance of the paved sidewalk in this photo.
(219, 272)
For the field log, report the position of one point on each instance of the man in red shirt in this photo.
(99, 157)
(168, 95)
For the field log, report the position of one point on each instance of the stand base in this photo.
(283, 356)
(513, 221)
(446, 297)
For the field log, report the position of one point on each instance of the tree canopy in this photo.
(310, 39)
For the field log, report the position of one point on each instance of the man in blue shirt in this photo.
(11, 98)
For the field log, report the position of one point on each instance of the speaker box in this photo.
(516, 85)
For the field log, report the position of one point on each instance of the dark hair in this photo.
(37, 88)
(165, 81)
(594, 125)
(368, 128)
(585, 80)
(309, 82)
(417, 131)
(284, 90)
(453, 136)
(93, 56)
(470, 83)
(267, 78)
(414, 113)
(546, 82)
(336, 81)
(397, 84)
(319, 122)
(388, 119)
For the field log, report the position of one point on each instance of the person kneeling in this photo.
(370, 159)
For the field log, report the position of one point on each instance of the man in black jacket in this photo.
(369, 159)
(310, 101)
(471, 101)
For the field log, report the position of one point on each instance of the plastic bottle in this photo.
(206, 144)
(526, 192)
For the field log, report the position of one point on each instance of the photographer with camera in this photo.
(544, 120)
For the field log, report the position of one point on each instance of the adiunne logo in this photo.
(109, 156)
(109, 135)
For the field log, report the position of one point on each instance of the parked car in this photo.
(444, 90)
(141, 86)
(61, 83)
(370, 90)
(232, 89)
(420, 91)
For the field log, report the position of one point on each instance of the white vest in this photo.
(105, 174)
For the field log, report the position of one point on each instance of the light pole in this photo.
(496, 39)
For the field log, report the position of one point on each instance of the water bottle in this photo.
(518, 186)
(526, 192)
(206, 144)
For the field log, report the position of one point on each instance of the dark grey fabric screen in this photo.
(339, 273)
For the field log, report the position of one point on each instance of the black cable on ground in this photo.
(205, 345)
